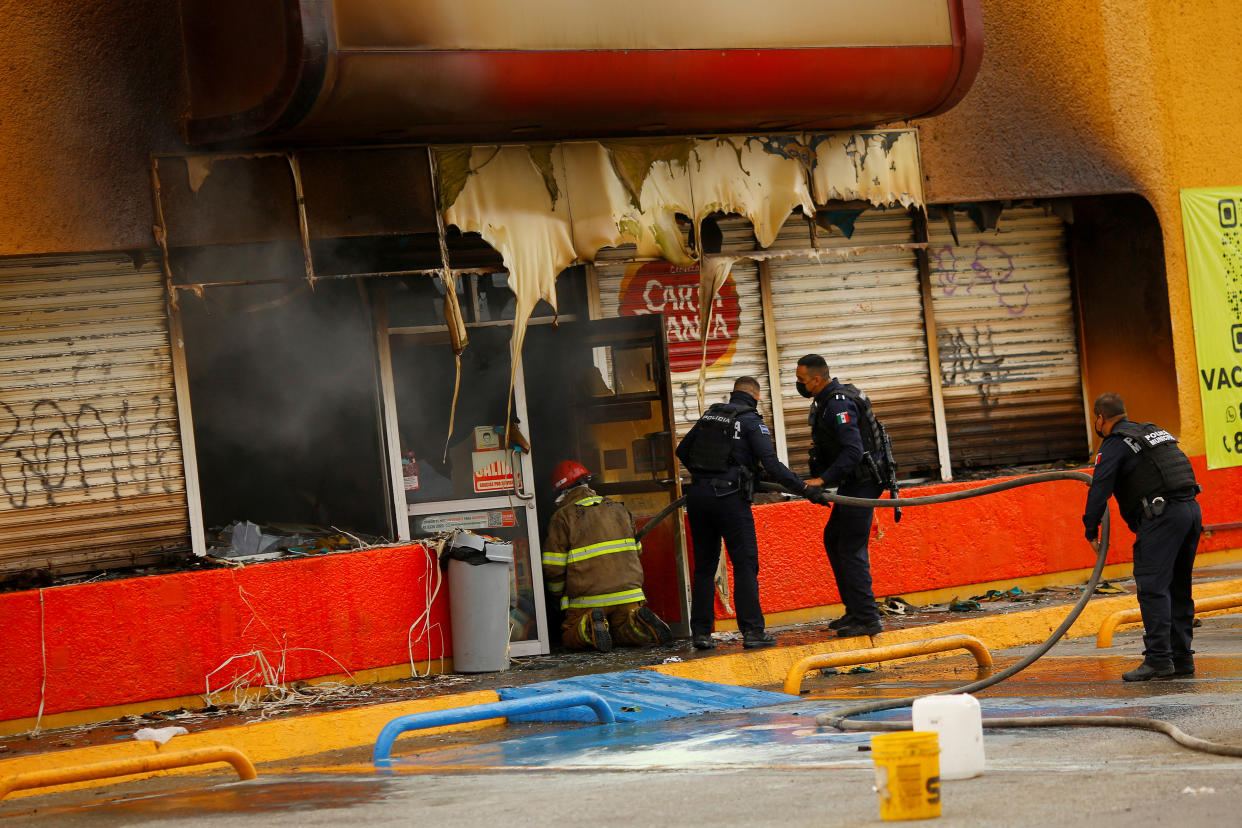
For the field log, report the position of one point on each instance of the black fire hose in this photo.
(839, 719)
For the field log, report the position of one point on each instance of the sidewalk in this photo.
(355, 720)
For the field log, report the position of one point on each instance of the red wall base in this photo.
(159, 637)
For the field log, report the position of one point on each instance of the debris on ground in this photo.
(159, 735)
(970, 605)
(998, 595)
(897, 605)
(245, 542)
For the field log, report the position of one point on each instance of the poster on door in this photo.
(493, 471)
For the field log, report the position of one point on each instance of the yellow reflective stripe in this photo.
(554, 558)
(589, 501)
(605, 600)
(564, 603)
(556, 587)
(593, 550)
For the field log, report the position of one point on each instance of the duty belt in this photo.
(713, 481)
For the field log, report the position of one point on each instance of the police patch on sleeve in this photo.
(843, 418)
(763, 429)
(1098, 455)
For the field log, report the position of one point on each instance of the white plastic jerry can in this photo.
(958, 723)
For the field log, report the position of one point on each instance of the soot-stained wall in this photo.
(87, 92)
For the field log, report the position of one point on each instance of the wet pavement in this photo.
(763, 766)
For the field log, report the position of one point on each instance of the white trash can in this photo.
(479, 576)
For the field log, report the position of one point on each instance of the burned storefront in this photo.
(335, 381)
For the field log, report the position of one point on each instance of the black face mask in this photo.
(802, 389)
(1100, 433)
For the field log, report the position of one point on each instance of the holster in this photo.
(1153, 508)
(746, 484)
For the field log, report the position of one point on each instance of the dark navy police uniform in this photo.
(717, 510)
(837, 457)
(1165, 546)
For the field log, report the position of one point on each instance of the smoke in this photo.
(283, 389)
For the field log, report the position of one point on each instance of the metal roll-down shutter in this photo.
(864, 315)
(90, 453)
(1009, 361)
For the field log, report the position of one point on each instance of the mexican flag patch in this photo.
(843, 417)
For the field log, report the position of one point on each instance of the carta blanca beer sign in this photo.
(1213, 228)
(660, 287)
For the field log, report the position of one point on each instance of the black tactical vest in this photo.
(824, 443)
(711, 451)
(1162, 468)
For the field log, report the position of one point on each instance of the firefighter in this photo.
(1155, 488)
(590, 561)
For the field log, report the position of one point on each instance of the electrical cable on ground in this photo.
(841, 719)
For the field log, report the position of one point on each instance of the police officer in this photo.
(1155, 488)
(837, 460)
(590, 561)
(723, 452)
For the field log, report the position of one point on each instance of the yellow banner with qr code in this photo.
(1212, 221)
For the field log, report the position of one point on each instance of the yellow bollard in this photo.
(127, 767)
(793, 680)
(1104, 638)
(907, 774)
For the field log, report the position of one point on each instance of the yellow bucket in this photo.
(907, 774)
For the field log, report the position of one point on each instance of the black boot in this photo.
(704, 642)
(755, 640)
(1146, 672)
(600, 635)
(1184, 666)
(854, 629)
(838, 623)
(653, 625)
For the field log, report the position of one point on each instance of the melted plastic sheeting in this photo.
(544, 207)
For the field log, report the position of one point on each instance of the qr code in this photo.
(1231, 256)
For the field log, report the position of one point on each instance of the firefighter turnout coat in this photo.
(590, 558)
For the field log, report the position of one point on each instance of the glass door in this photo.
(475, 476)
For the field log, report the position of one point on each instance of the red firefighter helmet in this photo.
(567, 473)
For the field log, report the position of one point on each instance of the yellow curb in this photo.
(274, 741)
(270, 741)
